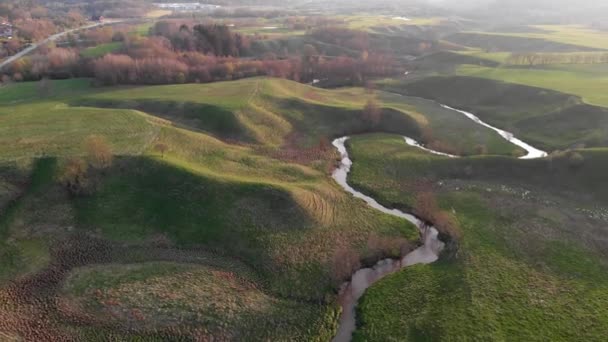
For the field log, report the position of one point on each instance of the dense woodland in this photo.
(179, 52)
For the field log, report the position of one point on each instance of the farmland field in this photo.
(304, 171)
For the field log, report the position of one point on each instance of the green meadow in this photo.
(526, 256)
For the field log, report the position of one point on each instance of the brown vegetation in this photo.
(74, 176)
(372, 113)
(344, 263)
(179, 52)
(428, 210)
(161, 148)
(99, 152)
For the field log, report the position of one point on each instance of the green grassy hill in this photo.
(531, 262)
(241, 197)
(546, 118)
(585, 80)
(512, 43)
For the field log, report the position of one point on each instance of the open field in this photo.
(528, 252)
(565, 34)
(367, 22)
(242, 198)
(222, 300)
(586, 81)
(549, 119)
(493, 42)
(240, 195)
(101, 50)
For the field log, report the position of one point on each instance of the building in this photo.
(98, 18)
(6, 30)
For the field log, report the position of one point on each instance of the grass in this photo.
(231, 198)
(547, 119)
(143, 29)
(565, 34)
(101, 50)
(521, 273)
(366, 22)
(216, 301)
(234, 198)
(63, 130)
(584, 81)
(23, 255)
(271, 109)
(158, 13)
(514, 43)
(456, 133)
(401, 161)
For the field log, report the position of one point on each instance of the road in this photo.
(52, 38)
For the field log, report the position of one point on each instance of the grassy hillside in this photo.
(586, 81)
(532, 261)
(101, 50)
(549, 119)
(241, 198)
(239, 194)
(512, 43)
(581, 36)
(222, 300)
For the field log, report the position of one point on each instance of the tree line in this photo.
(180, 53)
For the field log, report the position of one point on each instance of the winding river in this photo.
(352, 291)
(533, 153)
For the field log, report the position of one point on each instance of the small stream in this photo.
(352, 291)
(533, 152)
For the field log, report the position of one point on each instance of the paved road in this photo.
(52, 38)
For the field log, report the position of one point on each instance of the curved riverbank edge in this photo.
(532, 152)
(351, 292)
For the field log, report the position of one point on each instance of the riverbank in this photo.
(528, 250)
(352, 291)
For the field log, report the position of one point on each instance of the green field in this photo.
(549, 119)
(586, 81)
(241, 196)
(367, 22)
(101, 50)
(222, 300)
(566, 34)
(528, 253)
(239, 207)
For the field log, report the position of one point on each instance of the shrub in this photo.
(74, 176)
(99, 152)
(575, 159)
(344, 263)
